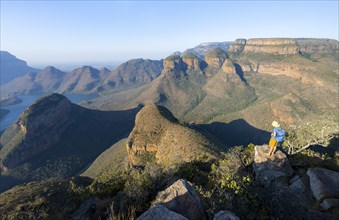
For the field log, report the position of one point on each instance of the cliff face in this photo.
(317, 46)
(215, 58)
(280, 46)
(294, 70)
(192, 61)
(285, 46)
(237, 46)
(41, 126)
(173, 62)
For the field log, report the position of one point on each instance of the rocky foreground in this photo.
(295, 196)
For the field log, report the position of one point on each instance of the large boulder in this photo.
(324, 183)
(293, 201)
(269, 169)
(160, 212)
(181, 198)
(225, 215)
(329, 203)
(85, 211)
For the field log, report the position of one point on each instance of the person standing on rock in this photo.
(277, 137)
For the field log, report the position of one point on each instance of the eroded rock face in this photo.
(296, 71)
(160, 212)
(215, 58)
(41, 125)
(181, 198)
(270, 169)
(324, 183)
(192, 61)
(280, 46)
(173, 62)
(237, 46)
(229, 68)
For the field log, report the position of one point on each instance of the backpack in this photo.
(280, 134)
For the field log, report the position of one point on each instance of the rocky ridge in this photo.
(41, 127)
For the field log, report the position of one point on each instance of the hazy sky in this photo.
(61, 32)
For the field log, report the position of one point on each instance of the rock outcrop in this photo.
(181, 198)
(324, 184)
(160, 212)
(230, 70)
(173, 62)
(271, 169)
(157, 133)
(237, 46)
(85, 211)
(192, 61)
(215, 58)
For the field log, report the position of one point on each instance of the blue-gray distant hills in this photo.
(12, 67)
(85, 79)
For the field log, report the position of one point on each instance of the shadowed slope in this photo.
(55, 138)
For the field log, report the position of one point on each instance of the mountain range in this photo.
(258, 80)
(157, 121)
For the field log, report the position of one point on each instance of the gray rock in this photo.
(85, 211)
(329, 203)
(181, 198)
(324, 183)
(271, 169)
(160, 212)
(225, 215)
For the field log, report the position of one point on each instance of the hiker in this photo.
(277, 137)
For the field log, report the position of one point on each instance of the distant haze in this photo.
(82, 32)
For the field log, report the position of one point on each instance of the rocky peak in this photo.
(192, 61)
(228, 67)
(173, 62)
(215, 57)
(88, 70)
(51, 69)
(238, 45)
(157, 133)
